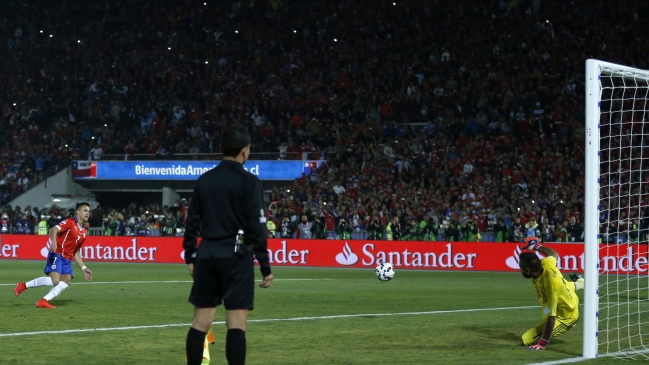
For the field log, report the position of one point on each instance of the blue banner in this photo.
(184, 170)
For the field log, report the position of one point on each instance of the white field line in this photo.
(564, 361)
(14, 334)
(580, 359)
(161, 281)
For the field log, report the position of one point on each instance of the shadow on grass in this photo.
(515, 339)
(495, 333)
(62, 302)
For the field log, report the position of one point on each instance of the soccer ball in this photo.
(385, 271)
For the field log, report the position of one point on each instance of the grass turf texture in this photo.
(498, 308)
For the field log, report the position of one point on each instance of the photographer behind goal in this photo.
(375, 230)
(344, 231)
(319, 229)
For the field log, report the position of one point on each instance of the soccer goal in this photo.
(616, 303)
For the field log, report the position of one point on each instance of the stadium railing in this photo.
(355, 235)
(209, 156)
(46, 173)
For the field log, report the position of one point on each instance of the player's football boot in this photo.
(576, 277)
(43, 303)
(20, 287)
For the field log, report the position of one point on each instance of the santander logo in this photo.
(45, 250)
(347, 257)
(512, 261)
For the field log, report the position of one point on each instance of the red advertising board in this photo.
(473, 256)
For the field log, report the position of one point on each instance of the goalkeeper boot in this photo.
(20, 287)
(43, 303)
(576, 278)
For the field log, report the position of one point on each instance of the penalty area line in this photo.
(163, 281)
(16, 334)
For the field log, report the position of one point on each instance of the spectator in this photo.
(338, 188)
(560, 234)
(286, 228)
(517, 227)
(53, 220)
(95, 152)
(40, 162)
(574, 230)
(363, 127)
(21, 225)
(501, 231)
(531, 228)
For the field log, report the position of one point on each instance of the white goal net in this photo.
(616, 297)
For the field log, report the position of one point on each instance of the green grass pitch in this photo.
(139, 314)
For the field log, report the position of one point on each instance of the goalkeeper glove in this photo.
(532, 243)
(540, 345)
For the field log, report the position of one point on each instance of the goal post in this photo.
(591, 211)
(616, 299)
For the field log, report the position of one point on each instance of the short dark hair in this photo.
(529, 260)
(234, 140)
(79, 205)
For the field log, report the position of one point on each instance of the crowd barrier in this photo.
(469, 256)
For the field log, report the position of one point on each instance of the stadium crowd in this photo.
(455, 117)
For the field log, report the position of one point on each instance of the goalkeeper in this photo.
(559, 302)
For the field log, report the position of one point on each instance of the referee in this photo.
(226, 199)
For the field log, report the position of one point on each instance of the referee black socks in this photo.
(235, 346)
(194, 346)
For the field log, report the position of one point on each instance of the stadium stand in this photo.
(417, 116)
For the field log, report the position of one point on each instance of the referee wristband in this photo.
(83, 268)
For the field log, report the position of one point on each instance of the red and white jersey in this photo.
(70, 238)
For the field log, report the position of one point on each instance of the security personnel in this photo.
(392, 230)
(270, 228)
(226, 200)
(42, 226)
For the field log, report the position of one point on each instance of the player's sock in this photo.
(55, 291)
(194, 346)
(579, 285)
(235, 346)
(42, 281)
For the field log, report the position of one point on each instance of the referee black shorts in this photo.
(222, 277)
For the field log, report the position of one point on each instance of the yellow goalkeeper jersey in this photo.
(556, 296)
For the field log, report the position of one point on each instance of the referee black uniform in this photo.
(226, 199)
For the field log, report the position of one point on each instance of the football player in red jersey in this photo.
(65, 241)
